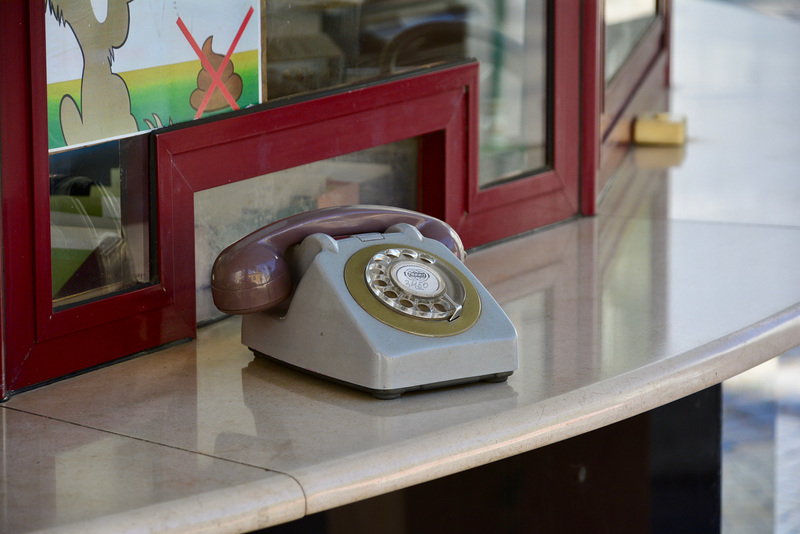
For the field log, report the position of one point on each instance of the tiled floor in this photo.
(761, 448)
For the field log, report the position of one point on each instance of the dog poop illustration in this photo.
(229, 79)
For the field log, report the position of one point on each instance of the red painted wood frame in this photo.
(608, 110)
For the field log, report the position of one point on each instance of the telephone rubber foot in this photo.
(498, 378)
(387, 394)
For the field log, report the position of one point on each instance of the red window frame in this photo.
(608, 109)
(439, 107)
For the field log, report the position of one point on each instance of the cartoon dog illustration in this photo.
(105, 109)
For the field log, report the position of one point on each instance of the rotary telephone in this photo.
(373, 297)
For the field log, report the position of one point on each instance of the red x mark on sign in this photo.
(216, 81)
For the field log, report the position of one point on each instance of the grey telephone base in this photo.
(389, 394)
(336, 330)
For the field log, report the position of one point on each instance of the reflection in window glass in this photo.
(99, 221)
(316, 44)
(626, 21)
(384, 175)
(513, 54)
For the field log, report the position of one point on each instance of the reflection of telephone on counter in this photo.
(388, 307)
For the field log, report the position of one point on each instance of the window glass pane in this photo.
(315, 44)
(385, 175)
(513, 50)
(99, 220)
(626, 21)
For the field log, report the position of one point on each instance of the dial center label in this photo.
(417, 278)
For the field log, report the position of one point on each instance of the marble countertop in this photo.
(688, 276)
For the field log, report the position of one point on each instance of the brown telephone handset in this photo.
(252, 275)
(387, 307)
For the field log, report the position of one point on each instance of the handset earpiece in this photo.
(252, 275)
